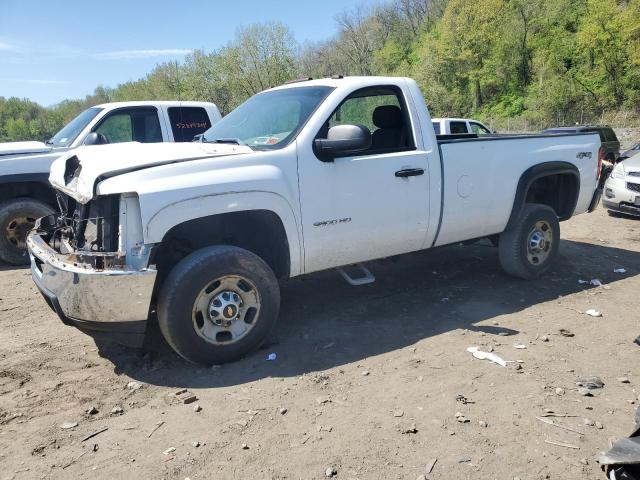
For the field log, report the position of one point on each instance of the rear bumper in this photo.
(109, 303)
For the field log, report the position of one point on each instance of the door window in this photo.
(458, 127)
(187, 122)
(382, 111)
(478, 129)
(131, 125)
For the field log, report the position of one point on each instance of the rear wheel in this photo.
(218, 304)
(529, 247)
(17, 218)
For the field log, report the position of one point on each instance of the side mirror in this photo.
(94, 138)
(342, 140)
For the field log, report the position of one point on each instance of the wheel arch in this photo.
(30, 185)
(260, 222)
(536, 186)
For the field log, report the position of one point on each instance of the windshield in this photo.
(71, 130)
(269, 120)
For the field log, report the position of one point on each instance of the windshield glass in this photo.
(71, 130)
(269, 120)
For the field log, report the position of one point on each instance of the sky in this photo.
(50, 50)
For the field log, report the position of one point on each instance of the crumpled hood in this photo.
(15, 148)
(83, 166)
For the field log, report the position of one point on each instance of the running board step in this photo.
(365, 277)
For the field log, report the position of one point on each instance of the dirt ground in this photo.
(368, 376)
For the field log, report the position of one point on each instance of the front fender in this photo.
(184, 210)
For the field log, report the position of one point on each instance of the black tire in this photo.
(514, 249)
(194, 274)
(17, 218)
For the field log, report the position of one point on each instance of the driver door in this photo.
(361, 207)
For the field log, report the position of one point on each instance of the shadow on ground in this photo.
(325, 322)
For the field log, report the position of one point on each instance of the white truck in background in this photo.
(459, 126)
(291, 182)
(25, 193)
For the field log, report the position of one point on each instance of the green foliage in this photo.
(547, 61)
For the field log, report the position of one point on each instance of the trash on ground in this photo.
(169, 450)
(462, 399)
(624, 380)
(185, 396)
(590, 382)
(97, 432)
(520, 346)
(330, 472)
(562, 444)
(411, 429)
(566, 333)
(68, 425)
(134, 386)
(595, 282)
(479, 354)
(593, 313)
(563, 427)
(430, 465)
(156, 427)
(461, 418)
(619, 270)
(271, 357)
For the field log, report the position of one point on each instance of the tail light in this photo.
(600, 158)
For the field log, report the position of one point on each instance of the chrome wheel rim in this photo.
(17, 231)
(539, 243)
(226, 310)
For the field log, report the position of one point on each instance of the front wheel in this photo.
(218, 304)
(529, 247)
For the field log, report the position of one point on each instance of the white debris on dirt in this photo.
(593, 312)
(479, 354)
(619, 270)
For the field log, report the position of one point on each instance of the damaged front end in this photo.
(88, 234)
(93, 272)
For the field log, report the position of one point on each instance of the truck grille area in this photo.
(633, 186)
(90, 228)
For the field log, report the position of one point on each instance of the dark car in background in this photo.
(634, 150)
(610, 142)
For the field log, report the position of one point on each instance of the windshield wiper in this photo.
(233, 141)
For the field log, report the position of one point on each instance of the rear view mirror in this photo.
(95, 138)
(342, 140)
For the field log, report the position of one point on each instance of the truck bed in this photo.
(478, 175)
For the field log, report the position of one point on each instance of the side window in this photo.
(458, 127)
(436, 127)
(382, 111)
(610, 135)
(187, 122)
(131, 125)
(478, 129)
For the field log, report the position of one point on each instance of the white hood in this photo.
(13, 148)
(102, 161)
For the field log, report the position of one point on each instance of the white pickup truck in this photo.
(459, 126)
(291, 182)
(25, 193)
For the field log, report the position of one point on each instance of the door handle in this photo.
(409, 172)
